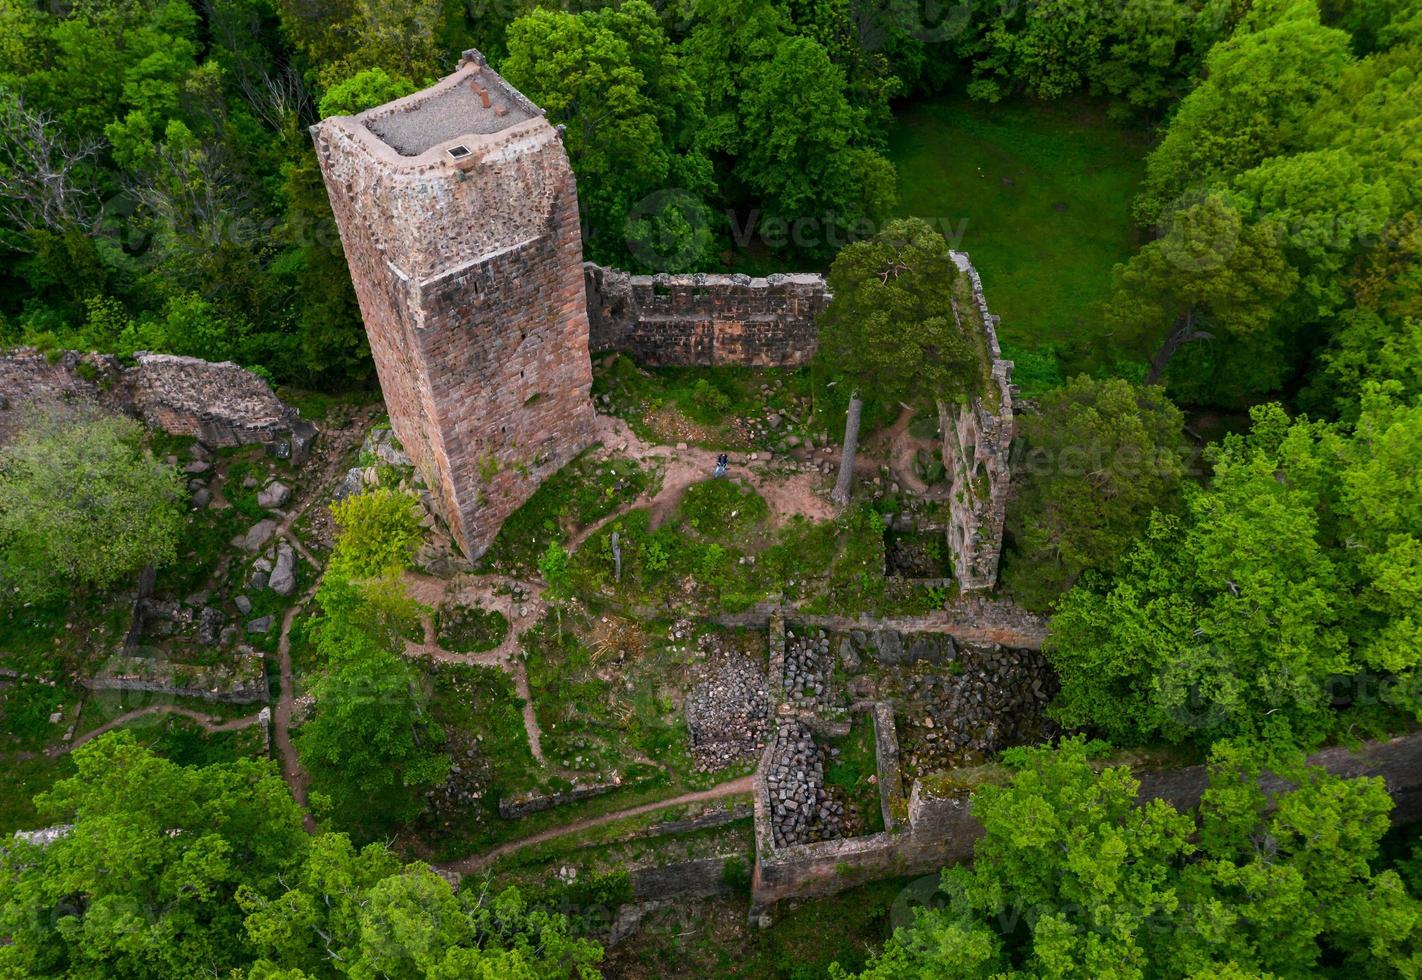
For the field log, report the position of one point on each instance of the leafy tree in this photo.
(1365, 348)
(169, 870)
(341, 38)
(893, 330)
(83, 504)
(1328, 204)
(633, 115)
(1295, 566)
(1210, 272)
(363, 90)
(553, 567)
(1100, 456)
(1259, 85)
(370, 917)
(370, 742)
(1380, 513)
(144, 883)
(1074, 877)
(379, 530)
(798, 150)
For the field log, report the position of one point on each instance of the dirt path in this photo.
(209, 724)
(478, 862)
(318, 484)
(902, 448)
(787, 494)
(490, 592)
(291, 770)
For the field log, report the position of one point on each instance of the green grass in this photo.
(1041, 195)
(469, 629)
(578, 494)
(723, 510)
(20, 781)
(851, 773)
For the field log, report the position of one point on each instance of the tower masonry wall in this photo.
(467, 262)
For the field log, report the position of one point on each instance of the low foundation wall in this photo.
(513, 807)
(942, 830)
(705, 320)
(1015, 628)
(220, 404)
(241, 681)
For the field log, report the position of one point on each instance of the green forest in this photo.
(1200, 223)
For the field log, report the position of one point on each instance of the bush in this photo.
(82, 503)
(379, 531)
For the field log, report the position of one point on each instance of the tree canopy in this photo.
(83, 504)
(1075, 877)
(169, 870)
(1290, 573)
(1099, 458)
(896, 326)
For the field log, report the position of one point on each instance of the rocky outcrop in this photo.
(218, 403)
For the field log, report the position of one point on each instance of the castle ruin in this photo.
(458, 211)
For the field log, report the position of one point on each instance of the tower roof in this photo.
(447, 121)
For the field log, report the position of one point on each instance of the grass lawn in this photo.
(1041, 195)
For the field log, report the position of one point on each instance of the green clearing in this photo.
(1041, 194)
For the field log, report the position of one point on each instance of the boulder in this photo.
(210, 622)
(283, 577)
(274, 494)
(261, 625)
(259, 534)
(350, 485)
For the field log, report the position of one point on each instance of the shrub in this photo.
(379, 531)
(82, 503)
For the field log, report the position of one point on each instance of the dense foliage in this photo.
(1289, 585)
(1074, 878)
(1098, 457)
(83, 504)
(171, 871)
(895, 327)
(370, 742)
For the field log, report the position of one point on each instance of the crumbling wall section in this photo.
(705, 320)
(977, 446)
(941, 829)
(218, 403)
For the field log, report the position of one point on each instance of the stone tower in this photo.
(458, 212)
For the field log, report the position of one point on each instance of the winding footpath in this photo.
(479, 862)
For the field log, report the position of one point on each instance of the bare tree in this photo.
(45, 179)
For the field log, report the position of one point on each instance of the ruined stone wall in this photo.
(941, 828)
(977, 446)
(705, 320)
(220, 404)
(468, 271)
